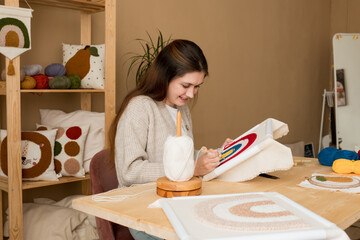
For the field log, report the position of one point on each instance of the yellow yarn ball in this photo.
(28, 83)
(346, 166)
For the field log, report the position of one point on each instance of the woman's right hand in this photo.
(207, 162)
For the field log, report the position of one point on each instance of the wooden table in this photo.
(340, 208)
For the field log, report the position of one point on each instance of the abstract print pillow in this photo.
(69, 149)
(37, 151)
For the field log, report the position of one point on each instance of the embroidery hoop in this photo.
(333, 184)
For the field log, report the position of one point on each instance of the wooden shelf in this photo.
(3, 90)
(37, 184)
(62, 90)
(12, 89)
(80, 5)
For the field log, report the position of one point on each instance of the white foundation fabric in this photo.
(257, 152)
(178, 158)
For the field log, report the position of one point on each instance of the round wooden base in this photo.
(167, 188)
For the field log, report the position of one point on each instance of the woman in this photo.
(148, 113)
(147, 116)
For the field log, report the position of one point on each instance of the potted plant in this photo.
(142, 61)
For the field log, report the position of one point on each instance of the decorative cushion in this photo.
(86, 61)
(37, 149)
(95, 141)
(69, 149)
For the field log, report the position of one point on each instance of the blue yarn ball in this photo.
(346, 154)
(55, 69)
(326, 156)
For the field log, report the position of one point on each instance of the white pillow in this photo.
(95, 141)
(69, 224)
(87, 63)
(69, 149)
(37, 151)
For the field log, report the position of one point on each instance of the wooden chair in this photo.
(103, 178)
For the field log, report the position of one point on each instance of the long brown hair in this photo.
(175, 60)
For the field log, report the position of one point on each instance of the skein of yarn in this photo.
(31, 70)
(60, 82)
(178, 158)
(178, 155)
(28, 83)
(328, 155)
(22, 75)
(42, 81)
(75, 81)
(55, 69)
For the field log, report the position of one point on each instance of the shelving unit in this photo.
(11, 88)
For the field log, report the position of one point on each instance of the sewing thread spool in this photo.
(179, 166)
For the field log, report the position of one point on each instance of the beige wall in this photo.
(266, 59)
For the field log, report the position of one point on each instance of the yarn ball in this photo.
(28, 83)
(42, 81)
(346, 166)
(60, 82)
(178, 158)
(22, 75)
(55, 69)
(346, 154)
(31, 70)
(75, 81)
(326, 156)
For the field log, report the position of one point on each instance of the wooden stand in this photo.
(167, 188)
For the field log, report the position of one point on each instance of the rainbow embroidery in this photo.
(13, 33)
(235, 148)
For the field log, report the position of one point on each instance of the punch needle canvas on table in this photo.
(260, 215)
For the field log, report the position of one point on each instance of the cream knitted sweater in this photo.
(139, 143)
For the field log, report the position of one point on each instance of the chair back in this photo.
(103, 178)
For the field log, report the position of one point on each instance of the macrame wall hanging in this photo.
(15, 36)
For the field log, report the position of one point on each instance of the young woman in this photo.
(147, 116)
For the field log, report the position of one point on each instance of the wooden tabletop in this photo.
(343, 209)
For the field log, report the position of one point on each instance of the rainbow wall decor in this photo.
(15, 34)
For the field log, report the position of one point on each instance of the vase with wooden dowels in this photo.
(179, 166)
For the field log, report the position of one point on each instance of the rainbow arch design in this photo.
(13, 33)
